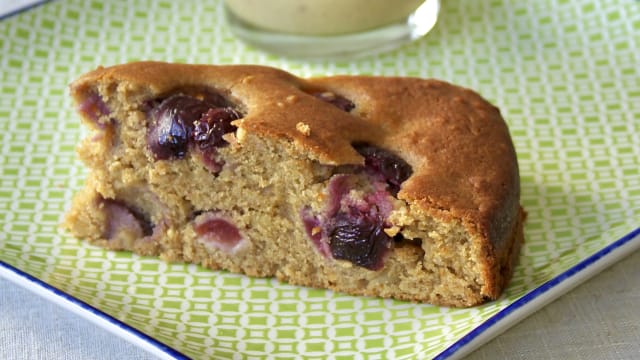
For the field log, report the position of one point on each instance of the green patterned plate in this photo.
(565, 74)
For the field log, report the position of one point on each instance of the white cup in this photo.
(330, 28)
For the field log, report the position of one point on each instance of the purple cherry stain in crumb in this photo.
(93, 107)
(337, 189)
(217, 231)
(336, 100)
(121, 217)
(313, 228)
(211, 160)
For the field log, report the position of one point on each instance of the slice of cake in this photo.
(385, 186)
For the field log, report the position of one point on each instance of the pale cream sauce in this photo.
(321, 17)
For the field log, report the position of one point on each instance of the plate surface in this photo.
(564, 74)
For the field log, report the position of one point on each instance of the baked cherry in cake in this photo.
(183, 122)
(394, 187)
(356, 229)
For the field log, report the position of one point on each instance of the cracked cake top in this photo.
(457, 144)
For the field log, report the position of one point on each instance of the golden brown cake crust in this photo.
(457, 143)
(463, 160)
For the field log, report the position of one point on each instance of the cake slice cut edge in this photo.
(393, 187)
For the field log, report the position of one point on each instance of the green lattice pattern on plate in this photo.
(564, 73)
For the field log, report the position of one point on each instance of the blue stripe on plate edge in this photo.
(529, 297)
(86, 307)
(23, 9)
